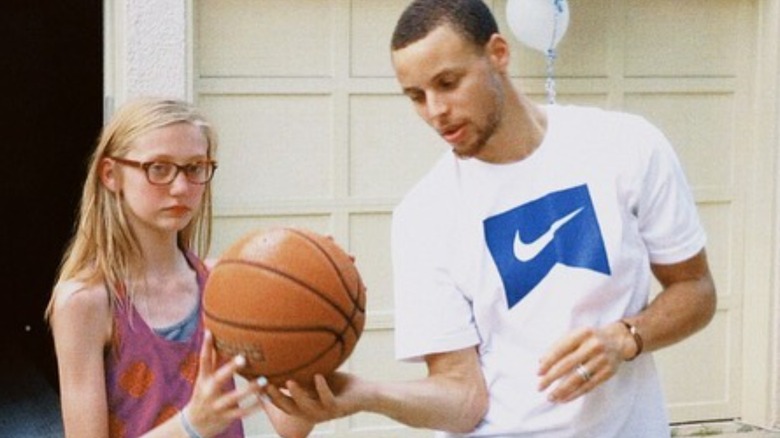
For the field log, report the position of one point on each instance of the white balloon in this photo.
(533, 22)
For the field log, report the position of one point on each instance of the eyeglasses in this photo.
(161, 173)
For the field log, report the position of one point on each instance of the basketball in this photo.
(290, 300)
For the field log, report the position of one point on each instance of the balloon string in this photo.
(551, 54)
(550, 84)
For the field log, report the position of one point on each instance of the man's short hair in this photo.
(472, 19)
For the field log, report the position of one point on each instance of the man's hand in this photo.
(335, 397)
(453, 397)
(583, 360)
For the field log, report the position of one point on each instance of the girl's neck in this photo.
(161, 255)
(164, 262)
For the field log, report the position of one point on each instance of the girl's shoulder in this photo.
(82, 307)
(76, 292)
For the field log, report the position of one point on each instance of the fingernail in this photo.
(240, 360)
(262, 381)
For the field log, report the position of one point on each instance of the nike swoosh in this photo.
(528, 251)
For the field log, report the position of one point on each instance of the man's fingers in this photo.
(563, 348)
(324, 392)
(582, 378)
(580, 347)
(563, 364)
(281, 401)
(302, 396)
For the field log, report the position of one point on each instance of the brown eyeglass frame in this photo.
(145, 165)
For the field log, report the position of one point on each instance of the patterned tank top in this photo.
(149, 379)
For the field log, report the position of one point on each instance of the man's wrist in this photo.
(637, 339)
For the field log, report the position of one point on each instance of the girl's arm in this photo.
(81, 325)
(211, 409)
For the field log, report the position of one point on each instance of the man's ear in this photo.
(109, 176)
(498, 51)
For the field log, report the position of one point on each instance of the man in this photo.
(523, 259)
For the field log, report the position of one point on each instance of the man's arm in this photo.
(685, 305)
(453, 397)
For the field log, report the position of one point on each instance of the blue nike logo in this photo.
(527, 241)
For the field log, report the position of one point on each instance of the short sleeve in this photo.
(431, 314)
(668, 218)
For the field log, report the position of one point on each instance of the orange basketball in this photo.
(290, 300)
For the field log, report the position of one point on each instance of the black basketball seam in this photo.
(355, 301)
(322, 250)
(248, 326)
(295, 280)
(355, 304)
(315, 359)
(338, 339)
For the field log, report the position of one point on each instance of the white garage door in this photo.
(315, 133)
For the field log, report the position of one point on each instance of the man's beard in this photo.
(494, 119)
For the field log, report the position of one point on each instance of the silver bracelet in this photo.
(188, 427)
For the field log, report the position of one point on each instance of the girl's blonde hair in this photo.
(104, 247)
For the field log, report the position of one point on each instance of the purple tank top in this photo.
(149, 379)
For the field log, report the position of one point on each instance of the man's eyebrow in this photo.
(411, 90)
(436, 77)
(450, 71)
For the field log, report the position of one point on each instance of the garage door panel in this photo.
(273, 38)
(682, 38)
(580, 97)
(371, 24)
(720, 221)
(228, 229)
(369, 238)
(697, 380)
(701, 129)
(272, 148)
(390, 147)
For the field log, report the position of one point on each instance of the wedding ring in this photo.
(583, 373)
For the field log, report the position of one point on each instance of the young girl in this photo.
(132, 353)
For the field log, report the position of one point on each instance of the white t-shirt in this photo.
(512, 257)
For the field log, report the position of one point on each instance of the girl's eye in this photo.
(195, 169)
(160, 169)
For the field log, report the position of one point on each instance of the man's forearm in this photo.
(685, 306)
(436, 402)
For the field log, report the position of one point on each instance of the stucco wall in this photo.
(147, 49)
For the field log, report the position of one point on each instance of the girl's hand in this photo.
(212, 408)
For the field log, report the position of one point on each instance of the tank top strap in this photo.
(201, 270)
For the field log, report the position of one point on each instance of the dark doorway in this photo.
(52, 74)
